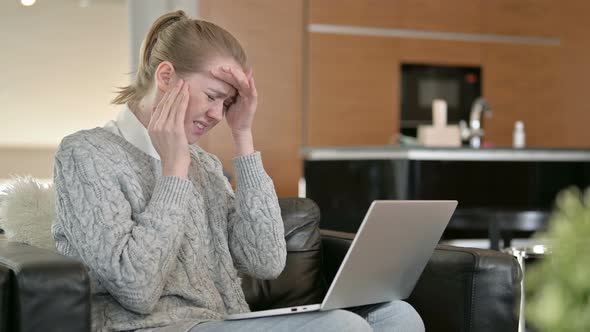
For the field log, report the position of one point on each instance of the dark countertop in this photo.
(384, 152)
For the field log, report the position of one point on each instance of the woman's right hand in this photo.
(166, 130)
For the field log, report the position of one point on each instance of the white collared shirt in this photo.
(128, 126)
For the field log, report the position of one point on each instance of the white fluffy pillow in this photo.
(27, 209)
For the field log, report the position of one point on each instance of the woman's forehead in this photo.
(206, 80)
(219, 61)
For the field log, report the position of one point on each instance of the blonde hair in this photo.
(186, 43)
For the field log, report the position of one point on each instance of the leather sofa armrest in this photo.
(468, 289)
(48, 291)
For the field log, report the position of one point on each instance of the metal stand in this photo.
(522, 253)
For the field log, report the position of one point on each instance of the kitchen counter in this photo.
(509, 182)
(385, 152)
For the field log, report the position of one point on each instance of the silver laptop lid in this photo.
(389, 252)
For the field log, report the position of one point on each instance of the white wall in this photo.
(59, 64)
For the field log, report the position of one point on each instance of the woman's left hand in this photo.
(240, 114)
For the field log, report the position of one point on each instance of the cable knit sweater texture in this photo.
(163, 252)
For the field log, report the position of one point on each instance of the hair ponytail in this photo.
(152, 36)
(133, 92)
(184, 42)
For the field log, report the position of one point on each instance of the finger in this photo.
(232, 77)
(224, 76)
(157, 117)
(157, 111)
(180, 113)
(153, 116)
(176, 102)
(168, 105)
(174, 93)
(170, 95)
(239, 77)
(253, 91)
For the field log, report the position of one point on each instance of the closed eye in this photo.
(226, 104)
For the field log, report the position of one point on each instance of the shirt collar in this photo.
(135, 133)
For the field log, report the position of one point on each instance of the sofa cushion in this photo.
(301, 281)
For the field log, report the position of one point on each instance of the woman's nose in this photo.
(216, 112)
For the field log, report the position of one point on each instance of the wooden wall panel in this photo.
(439, 52)
(545, 86)
(574, 73)
(354, 84)
(444, 15)
(522, 17)
(354, 87)
(522, 83)
(272, 34)
(510, 17)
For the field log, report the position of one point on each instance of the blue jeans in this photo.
(394, 316)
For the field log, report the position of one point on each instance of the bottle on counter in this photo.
(518, 137)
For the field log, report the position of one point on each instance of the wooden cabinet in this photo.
(522, 82)
(509, 17)
(354, 84)
(443, 15)
(353, 80)
(521, 18)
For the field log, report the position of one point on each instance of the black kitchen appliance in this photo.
(421, 83)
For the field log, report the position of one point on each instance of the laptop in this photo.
(387, 256)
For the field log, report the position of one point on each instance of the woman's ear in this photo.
(164, 76)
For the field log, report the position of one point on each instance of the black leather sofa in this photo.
(460, 290)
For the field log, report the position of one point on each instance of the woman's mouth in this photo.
(200, 127)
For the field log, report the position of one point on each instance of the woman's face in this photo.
(208, 99)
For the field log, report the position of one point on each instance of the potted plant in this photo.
(558, 287)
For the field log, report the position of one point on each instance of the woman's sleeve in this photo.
(131, 257)
(255, 226)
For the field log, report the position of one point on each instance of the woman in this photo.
(152, 215)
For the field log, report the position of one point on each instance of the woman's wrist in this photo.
(244, 143)
(175, 170)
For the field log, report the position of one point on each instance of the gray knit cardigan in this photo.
(163, 252)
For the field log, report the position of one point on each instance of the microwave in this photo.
(459, 86)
